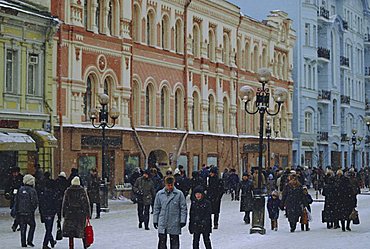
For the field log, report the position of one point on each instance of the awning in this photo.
(11, 141)
(43, 139)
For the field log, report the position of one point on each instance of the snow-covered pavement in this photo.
(118, 229)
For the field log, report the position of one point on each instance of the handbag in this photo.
(59, 235)
(354, 217)
(309, 215)
(89, 233)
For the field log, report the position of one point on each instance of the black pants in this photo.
(97, 209)
(206, 240)
(143, 213)
(215, 219)
(25, 220)
(247, 216)
(49, 220)
(174, 241)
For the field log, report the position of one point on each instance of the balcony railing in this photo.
(367, 37)
(322, 136)
(367, 71)
(323, 12)
(323, 52)
(323, 94)
(343, 137)
(345, 25)
(344, 61)
(345, 99)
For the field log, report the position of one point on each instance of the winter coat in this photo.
(26, 201)
(48, 205)
(158, 183)
(200, 216)
(246, 201)
(307, 201)
(182, 183)
(194, 182)
(93, 187)
(76, 208)
(330, 193)
(273, 207)
(12, 187)
(233, 181)
(293, 200)
(169, 211)
(345, 200)
(144, 190)
(215, 190)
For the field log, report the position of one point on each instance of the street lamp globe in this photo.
(103, 99)
(264, 75)
(93, 113)
(246, 93)
(114, 113)
(280, 95)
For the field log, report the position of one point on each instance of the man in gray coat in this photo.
(170, 214)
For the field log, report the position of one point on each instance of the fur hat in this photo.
(29, 180)
(275, 193)
(339, 172)
(76, 181)
(177, 171)
(169, 180)
(63, 174)
(213, 170)
(198, 189)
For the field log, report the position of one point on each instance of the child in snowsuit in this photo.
(273, 204)
(307, 200)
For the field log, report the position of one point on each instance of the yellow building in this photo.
(26, 97)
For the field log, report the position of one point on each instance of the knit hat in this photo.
(245, 173)
(147, 171)
(76, 181)
(29, 180)
(198, 189)
(63, 174)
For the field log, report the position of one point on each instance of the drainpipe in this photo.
(237, 113)
(131, 111)
(185, 79)
(59, 81)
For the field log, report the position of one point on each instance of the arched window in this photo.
(264, 57)
(136, 99)
(308, 122)
(149, 105)
(196, 41)
(333, 59)
(238, 54)
(165, 32)
(110, 18)
(195, 112)
(86, 14)
(226, 50)
(246, 57)
(211, 46)
(211, 114)
(255, 59)
(225, 114)
(150, 28)
(335, 116)
(179, 109)
(283, 66)
(88, 98)
(178, 36)
(97, 16)
(136, 22)
(164, 107)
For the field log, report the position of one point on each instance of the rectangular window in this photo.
(314, 31)
(212, 160)
(131, 162)
(11, 71)
(85, 164)
(305, 75)
(183, 160)
(33, 77)
(195, 163)
(307, 34)
(332, 10)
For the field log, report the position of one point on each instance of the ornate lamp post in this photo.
(262, 104)
(103, 123)
(268, 135)
(355, 140)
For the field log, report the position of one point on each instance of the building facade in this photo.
(330, 98)
(174, 70)
(26, 114)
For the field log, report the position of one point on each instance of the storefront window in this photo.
(212, 160)
(131, 162)
(183, 160)
(85, 164)
(9, 159)
(195, 163)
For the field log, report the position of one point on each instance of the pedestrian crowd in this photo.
(164, 195)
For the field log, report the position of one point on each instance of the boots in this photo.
(274, 225)
(347, 227)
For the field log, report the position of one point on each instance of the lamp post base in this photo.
(104, 197)
(258, 214)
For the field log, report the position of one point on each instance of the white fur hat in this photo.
(76, 181)
(63, 174)
(177, 171)
(29, 180)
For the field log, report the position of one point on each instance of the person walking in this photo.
(75, 211)
(61, 184)
(307, 201)
(26, 202)
(196, 181)
(246, 198)
(170, 214)
(145, 192)
(48, 207)
(345, 200)
(292, 201)
(273, 204)
(14, 183)
(200, 222)
(215, 190)
(93, 186)
(233, 183)
(330, 193)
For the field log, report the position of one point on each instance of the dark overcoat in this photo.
(345, 201)
(215, 190)
(200, 216)
(144, 190)
(76, 208)
(246, 197)
(293, 201)
(330, 193)
(93, 186)
(273, 207)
